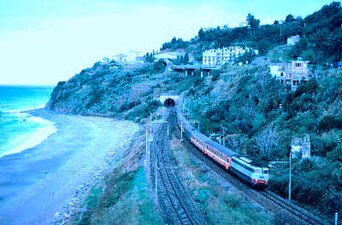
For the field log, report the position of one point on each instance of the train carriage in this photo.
(252, 172)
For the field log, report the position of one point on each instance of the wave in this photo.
(32, 139)
(24, 110)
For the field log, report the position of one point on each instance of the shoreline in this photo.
(32, 138)
(40, 183)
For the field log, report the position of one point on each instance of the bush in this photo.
(330, 122)
(336, 153)
(215, 75)
(306, 165)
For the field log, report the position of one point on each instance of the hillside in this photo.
(252, 111)
(320, 36)
(111, 90)
(257, 116)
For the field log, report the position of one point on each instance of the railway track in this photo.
(172, 196)
(299, 212)
(285, 211)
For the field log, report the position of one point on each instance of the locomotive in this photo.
(252, 172)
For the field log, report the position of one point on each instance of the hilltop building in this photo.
(291, 73)
(293, 40)
(129, 58)
(216, 57)
(168, 55)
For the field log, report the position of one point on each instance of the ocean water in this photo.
(18, 129)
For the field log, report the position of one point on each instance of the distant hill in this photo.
(320, 32)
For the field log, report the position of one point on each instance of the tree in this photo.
(289, 18)
(237, 142)
(186, 58)
(252, 22)
(267, 140)
(149, 57)
(201, 34)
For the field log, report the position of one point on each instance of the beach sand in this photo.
(37, 184)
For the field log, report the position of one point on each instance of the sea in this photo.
(19, 130)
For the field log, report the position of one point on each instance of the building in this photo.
(301, 147)
(291, 73)
(277, 70)
(129, 58)
(293, 40)
(168, 55)
(221, 56)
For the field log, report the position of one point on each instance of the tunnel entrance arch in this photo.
(169, 102)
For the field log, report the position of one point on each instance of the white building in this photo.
(301, 147)
(215, 57)
(168, 55)
(293, 40)
(129, 58)
(291, 73)
(277, 70)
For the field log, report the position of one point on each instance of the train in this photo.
(248, 170)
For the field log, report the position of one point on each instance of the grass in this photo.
(122, 197)
(218, 202)
(279, 54)
(125, 200)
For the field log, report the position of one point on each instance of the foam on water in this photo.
(30, 140)
(19, 130)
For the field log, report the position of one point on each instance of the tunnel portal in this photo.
(169, 102)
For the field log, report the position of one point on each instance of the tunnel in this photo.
(169, 102)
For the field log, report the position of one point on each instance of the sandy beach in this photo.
(37, 184)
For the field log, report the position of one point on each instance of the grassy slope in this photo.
(123, 197)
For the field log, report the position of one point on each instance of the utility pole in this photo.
(146, 141)
(223, 134)
(156, 177)
(182, 129)
(290, 175)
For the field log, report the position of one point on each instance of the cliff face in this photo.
(109, 89)
(91, 92)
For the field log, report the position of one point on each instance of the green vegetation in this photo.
(108, 89)
(321, 36)
(259, 117)
(315, 182)
(108, 204)
(122, 197)
(175, 44)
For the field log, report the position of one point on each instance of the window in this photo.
(243, 165)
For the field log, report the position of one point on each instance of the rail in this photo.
(171, 194)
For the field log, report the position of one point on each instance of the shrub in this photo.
(215, 75)
(336, 153)
(330, 122)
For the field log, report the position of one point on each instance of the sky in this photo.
(46, 41)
